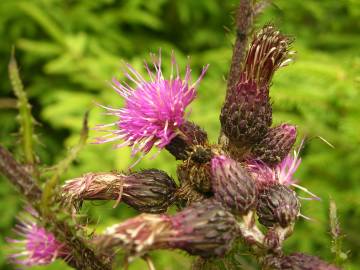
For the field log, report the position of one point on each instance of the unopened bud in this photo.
(246, 114)
(204, 228)
(277, 205)
(276, 145)
(136, 236)
(149, 191)
(93, 186)
(232, 185)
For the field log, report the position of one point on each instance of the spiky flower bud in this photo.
(282, 173)
(149, 191)
(189, 136)
(38, 246)
(204, 228)
(136, 236)
(276, 145)
(232, 185)
(268, 51)
(246, 113)
(277, 205)
(300, 261)
(154, 109)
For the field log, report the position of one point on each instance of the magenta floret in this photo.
(154, 109)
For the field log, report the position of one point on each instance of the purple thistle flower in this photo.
(261, 173)
(286, 168)
(38, 246)
(153, 110)
(282, 173)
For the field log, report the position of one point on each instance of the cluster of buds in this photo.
(223, 187)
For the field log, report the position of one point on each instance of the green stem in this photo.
(336, 242)
(61, 167)
(25, 117)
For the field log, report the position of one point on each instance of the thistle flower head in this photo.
(276, 144)
(263, 174)
(286, 168)
(232, 185)
(278, 205)
(136, 235)
(246, 114)
(37, 246)
(268, 51)
(204, 229)
(149, 191)
(283, 173)
(93, 186)
(154, 109)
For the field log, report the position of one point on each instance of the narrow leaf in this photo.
(25, 117)
(62, 166)
(336, 235)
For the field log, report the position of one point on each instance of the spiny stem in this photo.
(18, 176)
(243, 23)
(25, 117)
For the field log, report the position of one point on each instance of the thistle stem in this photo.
(243, 23)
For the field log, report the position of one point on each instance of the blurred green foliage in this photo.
(68, 50)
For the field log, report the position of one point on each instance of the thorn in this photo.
(305, 217)
(307, 191)
(149, 262)
(326, 142)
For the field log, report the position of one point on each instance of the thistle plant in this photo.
(239, 190)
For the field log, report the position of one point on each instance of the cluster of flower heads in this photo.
(35, 245)
(222, 187)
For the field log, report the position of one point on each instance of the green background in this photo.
(69, 50)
